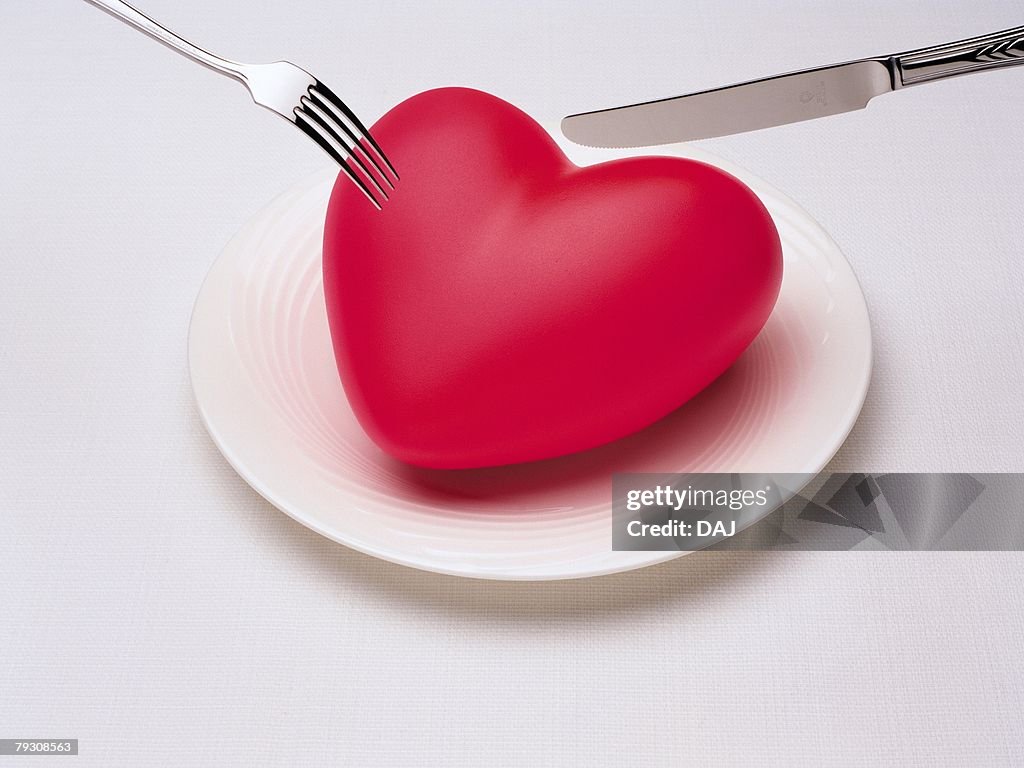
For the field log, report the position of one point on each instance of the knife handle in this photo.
(977, 54)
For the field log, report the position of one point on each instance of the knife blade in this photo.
(749, 106)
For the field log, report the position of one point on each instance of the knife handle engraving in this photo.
(977, 54)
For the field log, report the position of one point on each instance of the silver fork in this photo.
(295, 95)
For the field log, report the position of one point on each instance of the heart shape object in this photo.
(507, 305)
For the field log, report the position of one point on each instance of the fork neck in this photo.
(135, 18)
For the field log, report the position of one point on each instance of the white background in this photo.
(154, 607)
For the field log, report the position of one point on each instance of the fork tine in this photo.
(349, 115)
(330, 115)
(307, 126)
(325, 123)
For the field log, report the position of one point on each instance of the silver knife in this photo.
(789, 98)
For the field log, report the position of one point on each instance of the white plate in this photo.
(266, 386)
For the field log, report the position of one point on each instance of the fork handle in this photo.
(133, 17)
(999, 49)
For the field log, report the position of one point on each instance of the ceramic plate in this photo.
(266, 386)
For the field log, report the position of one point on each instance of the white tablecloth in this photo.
(154, 607)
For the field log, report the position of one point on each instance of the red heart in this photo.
(507, 305)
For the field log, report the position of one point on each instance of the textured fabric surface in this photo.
(156, 608)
